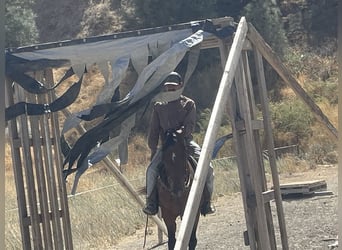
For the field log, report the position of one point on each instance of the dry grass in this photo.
(102, 211)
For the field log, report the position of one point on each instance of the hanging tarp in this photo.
(152, 55)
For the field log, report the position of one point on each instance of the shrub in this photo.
(292, 122)
(20, 26)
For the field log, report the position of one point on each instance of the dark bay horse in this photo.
(174, 183)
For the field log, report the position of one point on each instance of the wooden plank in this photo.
(306, 187)
(63, 199)
(270, 145)
(30, 178)
(286, 75)
(263, 239)
(209, 140)
(50, 173)
(27, 220)
(40, 178)
(244, 172)
(18, 171)
(40, 141)
(268, 195)
(244, 187)
(256, 125)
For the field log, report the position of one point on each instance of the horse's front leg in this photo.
(193, 238)
(170, 222)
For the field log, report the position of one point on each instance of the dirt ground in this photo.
(311, 222)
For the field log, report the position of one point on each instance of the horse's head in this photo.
(175, 161)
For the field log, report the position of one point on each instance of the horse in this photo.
(174, 183)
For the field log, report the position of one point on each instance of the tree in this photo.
(265, 15)
(153, 13)
(20, 26)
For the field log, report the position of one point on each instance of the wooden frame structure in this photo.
(42, 200)
(237, 85)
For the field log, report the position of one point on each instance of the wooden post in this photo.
(209, 140)
(41, 183)
(50, 173)
(259, 158)
(62, 193)
(270, 144)
(18, 170)
(244, 182)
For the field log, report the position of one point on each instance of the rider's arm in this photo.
(190, 120)
(154, 131)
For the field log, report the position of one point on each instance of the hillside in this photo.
(306, 22)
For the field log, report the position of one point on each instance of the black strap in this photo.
(107, 108)
(34, 86)
(101, 132)
(208, 26)
(219, 143)
(38, 109)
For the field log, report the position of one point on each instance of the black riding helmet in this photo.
(173, 79)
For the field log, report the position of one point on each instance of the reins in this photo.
(145, 236)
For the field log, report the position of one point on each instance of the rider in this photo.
(172, 115)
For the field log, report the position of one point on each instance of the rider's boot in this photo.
(206, 207)
(151, 207)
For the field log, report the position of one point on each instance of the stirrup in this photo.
(207, 209)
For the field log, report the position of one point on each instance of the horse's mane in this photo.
(174, 156)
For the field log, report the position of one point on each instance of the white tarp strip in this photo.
(109, 50)
(119, 69)
(163, 65)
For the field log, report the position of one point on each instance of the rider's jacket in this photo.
(171, 115)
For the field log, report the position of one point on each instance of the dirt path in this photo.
(311, 222)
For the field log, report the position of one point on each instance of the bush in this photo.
(266, 17)
(20, 26)
(292, 122)
(324, 92)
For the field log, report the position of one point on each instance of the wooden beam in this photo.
(268, 195)
(220, 22)
(260, 227)
(18, 171)
(209, 140)
(35, 143)
(286, 75)
(50, 168)
(55, 130)
(256, 125)
(270, 144)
